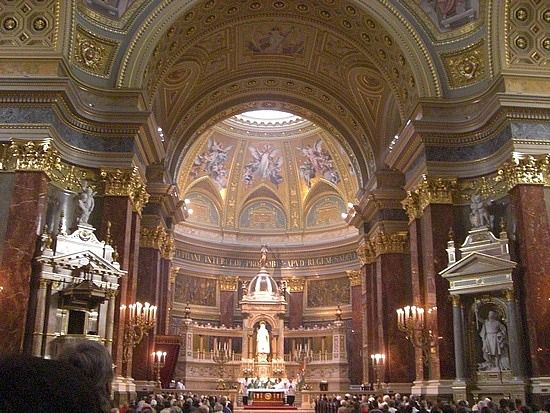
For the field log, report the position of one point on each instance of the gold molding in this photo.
(229, 283)
(173, 274)
(295, 285)
(355, 278)
(126, 182)
(159, 239)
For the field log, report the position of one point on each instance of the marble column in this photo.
(458, 330)
(393, 290)
(371, 316)
(125, 237)
(355, 359)
(436, 221)
(514, 333)
(148, 286)
(23, 224)
(228, 290)
(417, 284)
(533, 235)
(295, 302)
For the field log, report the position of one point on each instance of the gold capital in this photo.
(229, 283)
(126, 182)
(365, 251)
(456, 300)
(525, 171)
(355, 278)
(295, 285)
(159, 239)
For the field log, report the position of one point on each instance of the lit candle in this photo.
(122, 312)
(139, 306)
(164, 357)
(153, 355)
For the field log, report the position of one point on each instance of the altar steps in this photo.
(266, 409)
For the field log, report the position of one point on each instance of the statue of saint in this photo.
(494, 343)
(262, 339)
(263, 258)
(85, 203)
(479, 216)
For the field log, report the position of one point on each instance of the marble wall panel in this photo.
(6, 189)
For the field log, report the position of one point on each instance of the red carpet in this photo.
(271, 408)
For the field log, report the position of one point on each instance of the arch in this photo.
(205, 184)
(204, 209)
(164, 21)
(325, 211)
(320, 189)
(262, 192)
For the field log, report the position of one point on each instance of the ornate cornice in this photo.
(354, 277)
(159, 239)
(92, 53)
(42, 156)
(525, 171)
(229, 283)
(295, 285)
(126, 182)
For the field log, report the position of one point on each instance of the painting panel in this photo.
(195, 290)
(281, 39)
(265, 164)
(328, 292)
(450, 14)
(213, 162)
(317, 162)
(263, 215)
(204, 210)
(325, 212)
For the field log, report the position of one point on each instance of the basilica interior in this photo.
(342, 194)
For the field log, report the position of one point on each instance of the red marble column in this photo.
(371, 316)
(295, 309)
(125, 236)
(148, 287)
(417, 283)
(393, 287)
(27, 207)
(533, 235)
(355, 358)
(164, 301)
(436, 221)
(227, 306)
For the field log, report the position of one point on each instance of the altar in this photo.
(266, 397)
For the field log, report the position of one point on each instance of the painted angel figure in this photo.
(266, 163)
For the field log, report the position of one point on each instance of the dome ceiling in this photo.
(280, 176)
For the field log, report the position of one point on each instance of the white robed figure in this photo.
(262, 339)
(494, 342)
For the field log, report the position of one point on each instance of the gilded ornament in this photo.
(465, 66)
(394, 243)
(9, 23)
(157, 238)
(229, 283)
(522, 14)
(521, 42)
(430, 190)
(354, 277)
(525, 171)
(546, 43)
(411, 204)
(39, 24)
(92, 53)
(21, 155)
(295, 285)
(365, 251)
(126, 182)
(546, 16)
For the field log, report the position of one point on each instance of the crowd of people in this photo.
(80, 381)
(405, 404)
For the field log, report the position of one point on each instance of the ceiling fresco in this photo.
(251, 176)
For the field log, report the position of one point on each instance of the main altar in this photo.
(262, 356)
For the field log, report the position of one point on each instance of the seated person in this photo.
(32, 384)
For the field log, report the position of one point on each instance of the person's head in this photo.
(94, 361)
(32, 384)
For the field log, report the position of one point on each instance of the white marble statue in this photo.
(85, 203)
(479, 216)
(494, 344)
(263, 258)
(262, 339)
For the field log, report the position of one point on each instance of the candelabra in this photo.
(277, 367)
(140, 318)
(248, 368)
(221, 356)
(412, 321)
(303, 357)
(377, 364)
(159, 361)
